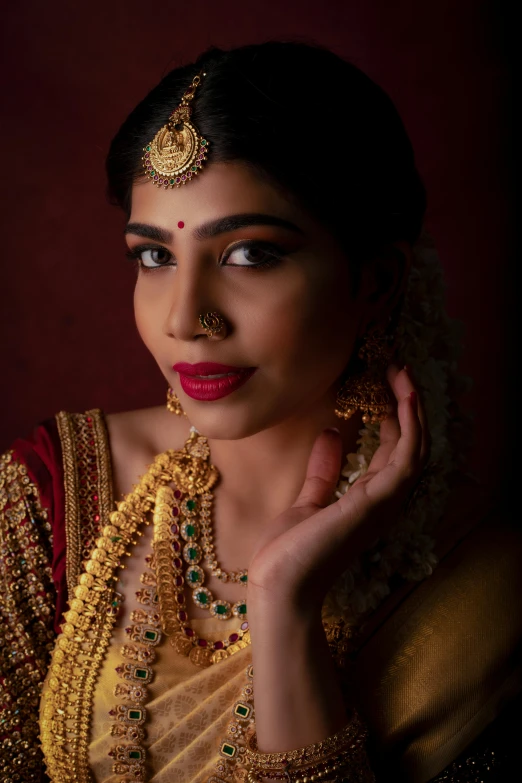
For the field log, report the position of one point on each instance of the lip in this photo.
(207, 368)
(209, 389)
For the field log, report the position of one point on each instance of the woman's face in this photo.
(232, 243)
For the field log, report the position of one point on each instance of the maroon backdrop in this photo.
(73, 71)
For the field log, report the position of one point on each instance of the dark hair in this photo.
(308, 120)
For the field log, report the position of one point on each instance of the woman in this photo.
(295, 308)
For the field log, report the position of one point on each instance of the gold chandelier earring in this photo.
(366, 391)
(173, 404)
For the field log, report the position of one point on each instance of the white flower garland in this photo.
(429, 342)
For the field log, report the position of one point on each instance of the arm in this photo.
(297, 695)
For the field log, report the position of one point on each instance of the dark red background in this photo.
(72, 71)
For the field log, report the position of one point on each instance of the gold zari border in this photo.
(88, 485)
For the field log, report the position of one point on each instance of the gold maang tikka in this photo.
(366, 391)
(177, 152)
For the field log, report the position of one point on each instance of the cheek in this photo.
(146, 322)
(311, 323)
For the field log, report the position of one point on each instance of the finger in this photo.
(407, 452)
(389, 437)
(402, 384)
(323, 470)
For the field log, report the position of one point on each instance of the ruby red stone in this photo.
(177, 562)
(88, 419)
(112, 712)
(177, 494)
(179, 581)
(175, 546)
(202, 642)
(189, 632)
(119, 669)
(174, 529)
(175, 511)
(244, 626)
(180, 598)
(97, 518)
(218, 645)
(233, 637)
(182, 616)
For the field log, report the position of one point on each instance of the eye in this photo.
(253, 254)
(149, 257)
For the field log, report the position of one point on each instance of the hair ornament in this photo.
(177, 152)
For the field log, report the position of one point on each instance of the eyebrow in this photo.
(213, 227)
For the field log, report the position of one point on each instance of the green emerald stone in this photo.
(142, 674)
(193, 576)
(202, 598)
(151, 636)
(114, 539)
(114, 603)
(192, 553)
(152, 173)
(135, 714)
(243, 578)
(149, 148)
(203, 142)
(190, 530)
(242, 710)
(172, 181)
(242, 608)
(191, 505)
(228, 750)
(194, 168)
(221, 609)
(135, 754)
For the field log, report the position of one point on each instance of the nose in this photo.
(192, 295)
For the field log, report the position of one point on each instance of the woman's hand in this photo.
(307, 547)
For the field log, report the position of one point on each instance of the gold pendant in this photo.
(201, 656)
(181, 643)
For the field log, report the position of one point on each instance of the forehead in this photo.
(220, 189)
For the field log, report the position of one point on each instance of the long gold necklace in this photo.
(163, 596)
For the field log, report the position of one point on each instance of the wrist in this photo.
(267, 611)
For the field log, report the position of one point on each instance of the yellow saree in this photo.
(433, 666)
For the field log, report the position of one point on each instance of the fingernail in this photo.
(333, 429)
(407, 368)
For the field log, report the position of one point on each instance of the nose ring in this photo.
(212, 323)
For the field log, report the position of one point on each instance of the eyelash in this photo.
(276, 252)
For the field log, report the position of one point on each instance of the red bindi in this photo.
(181, 224)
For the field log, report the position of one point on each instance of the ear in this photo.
(383, 283)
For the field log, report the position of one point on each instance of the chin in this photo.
(232, 422)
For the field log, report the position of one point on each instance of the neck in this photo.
(264, 473)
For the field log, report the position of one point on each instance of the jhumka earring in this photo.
(173, 404)
(366, 391)
(212, 323)
(178, 151)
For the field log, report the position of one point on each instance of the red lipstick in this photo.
(195, 380)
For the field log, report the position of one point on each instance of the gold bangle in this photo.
(349, 738)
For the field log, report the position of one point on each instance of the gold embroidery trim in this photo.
(27, 601)
(87, 483)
